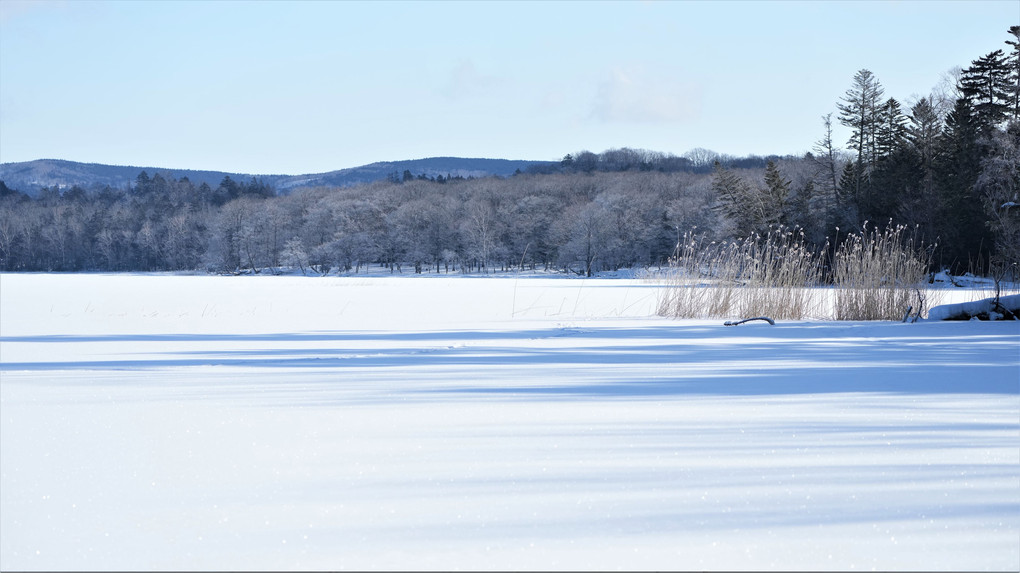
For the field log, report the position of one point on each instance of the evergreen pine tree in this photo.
(923, 135)
(960, 225)
(897, 184)
(891, 128)
(923, 130)
(6, 191)
(804, 210)
(735, 199)
(142, 183)
(860, 110)
(1014, 70)
(846, 215)
(986, 85)
(777, 192)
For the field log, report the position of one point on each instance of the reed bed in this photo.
(752, 277)
(878, 274)
(873, 275)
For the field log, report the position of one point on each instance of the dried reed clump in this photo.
(877, 275)
(755, 276)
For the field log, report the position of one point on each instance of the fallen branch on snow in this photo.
(765, 318)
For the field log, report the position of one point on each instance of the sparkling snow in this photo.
(195, 422)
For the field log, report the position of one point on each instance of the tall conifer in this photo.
(1014, 70)
(860, 110)
(986, 85)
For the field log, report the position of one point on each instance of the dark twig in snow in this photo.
(765, 318)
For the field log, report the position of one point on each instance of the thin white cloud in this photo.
(466, 80)
(632, 95)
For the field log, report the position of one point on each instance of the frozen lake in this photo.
(197, 422)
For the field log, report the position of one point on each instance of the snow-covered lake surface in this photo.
(193, 422)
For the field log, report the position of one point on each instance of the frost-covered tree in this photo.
(480, 230)
(702, 158)
(527, 224)
(585, 237)
(294, 255)
(999, 185)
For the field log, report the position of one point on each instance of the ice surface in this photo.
(168, 422)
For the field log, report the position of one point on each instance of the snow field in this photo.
(170, 422)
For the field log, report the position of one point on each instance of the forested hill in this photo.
(430, 168)
(31, 176)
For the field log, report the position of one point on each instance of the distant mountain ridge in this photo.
(31, 176)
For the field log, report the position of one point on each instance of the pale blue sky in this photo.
(305, 87)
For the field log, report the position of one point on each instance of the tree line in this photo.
(947, 165)
(583, 223)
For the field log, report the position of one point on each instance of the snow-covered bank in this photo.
(367, 423)
(1006, 307)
